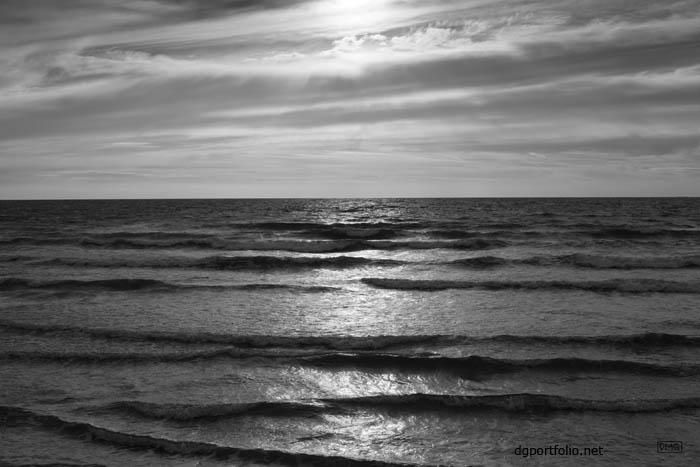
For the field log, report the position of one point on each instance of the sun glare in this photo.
(353, 16)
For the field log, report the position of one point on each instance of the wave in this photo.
(622, 262)
(516, 232)
(467, 244)
(351, 236)
(233, 263)
(299, 246)
(239, 341)
(338, 245)
(88, 431)
(13, 283)
(481, 262)
(31, 240)
(407, 342)
(636, 341)
(633, 233)
(354, 226)
(455, 233)
(289, 287)
(215, 243)
(523, 402)
(473, 367)
(184, 412)
(150, 234)
(621, 233)
(611, 285)
(352, 232)
(15, 258)
(582, 260)
(131, 357)
(52, 464)
(130, 284)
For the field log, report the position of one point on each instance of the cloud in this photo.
(182, 92)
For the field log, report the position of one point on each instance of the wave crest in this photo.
(476, 367)
(233, 263)
(473, 367)
(611, 285)
(89, 431)
(583, 260)
(349, 343)
(522, 402)
(132, 284)
(12, 283)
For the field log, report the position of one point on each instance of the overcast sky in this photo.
(296, 98)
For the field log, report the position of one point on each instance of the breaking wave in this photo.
(476, 366)
(349, 343)
(14, 258)
(481, 262)
(345, 229)
(466, 244)
(233, 263)
(473, 367)
(611, 285)
(215, 243)
(12, 283)
(129, 284)
(523, 402)
(582, 260)
(131, 357)
(183, 412)
(241, 341)
(347, 232)
(622, 262)
(31, 240)
(631, 233)
(91, 432)
(337, 245)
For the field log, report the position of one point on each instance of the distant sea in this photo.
(350, 332)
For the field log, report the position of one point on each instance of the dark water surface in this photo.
(349, 332)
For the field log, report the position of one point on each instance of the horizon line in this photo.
(350, 197)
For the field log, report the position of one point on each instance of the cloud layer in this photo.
(217, 98)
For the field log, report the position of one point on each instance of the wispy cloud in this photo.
(348, 98)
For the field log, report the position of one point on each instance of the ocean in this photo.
(350, 332)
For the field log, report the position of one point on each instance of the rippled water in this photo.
(349, 332)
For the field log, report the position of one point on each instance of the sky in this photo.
(349, 98)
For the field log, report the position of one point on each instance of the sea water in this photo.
(352, 332)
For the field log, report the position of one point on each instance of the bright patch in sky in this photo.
(256, 98)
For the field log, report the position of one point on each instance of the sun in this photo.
(353, 16)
